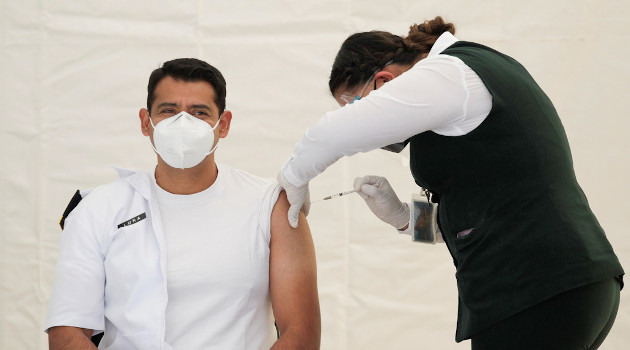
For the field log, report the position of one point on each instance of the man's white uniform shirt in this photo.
(160, 271)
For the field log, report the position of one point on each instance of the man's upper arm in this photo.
(69, 338)
(293, 279)
(78, 294)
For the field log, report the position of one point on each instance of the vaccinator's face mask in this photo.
(182, 140)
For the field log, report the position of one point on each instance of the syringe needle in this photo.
(335, 196)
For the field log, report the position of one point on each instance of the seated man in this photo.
(195, 255)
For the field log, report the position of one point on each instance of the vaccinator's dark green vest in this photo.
(511, 181)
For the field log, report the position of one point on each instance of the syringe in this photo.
(334, 196)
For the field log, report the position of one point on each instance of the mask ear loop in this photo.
(213, 128)
(153, 126)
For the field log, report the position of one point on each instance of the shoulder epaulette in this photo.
(73, 204)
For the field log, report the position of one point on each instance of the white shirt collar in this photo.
(445, 40)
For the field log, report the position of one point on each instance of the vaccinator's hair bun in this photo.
(421, 37)
(436, 26)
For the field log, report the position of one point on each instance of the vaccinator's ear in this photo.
(383, 77)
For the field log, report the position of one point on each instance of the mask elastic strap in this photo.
(153, 146)
(213, 148)
(218, 121)
(218, 139)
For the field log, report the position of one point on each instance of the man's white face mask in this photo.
(182, 140)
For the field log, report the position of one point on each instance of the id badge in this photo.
(425, 217)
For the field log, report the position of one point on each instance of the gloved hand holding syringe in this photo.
(384, 203)
(381, 199)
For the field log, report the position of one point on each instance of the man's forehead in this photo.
(179, 93)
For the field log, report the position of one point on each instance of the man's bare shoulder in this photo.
(279, 216)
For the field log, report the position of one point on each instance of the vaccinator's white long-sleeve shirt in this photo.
(439, 93)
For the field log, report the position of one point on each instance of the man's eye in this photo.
(200, 113)
(167, 111)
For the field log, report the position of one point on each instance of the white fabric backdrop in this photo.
(73, 75)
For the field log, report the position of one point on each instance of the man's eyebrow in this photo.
(167, 104)
(201, 106)
(195, 106)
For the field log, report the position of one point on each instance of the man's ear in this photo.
(224, 124)
(145, 124)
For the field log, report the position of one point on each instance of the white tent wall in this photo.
(73, 75)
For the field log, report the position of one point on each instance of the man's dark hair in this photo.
(189, 70)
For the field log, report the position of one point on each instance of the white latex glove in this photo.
(299, 197)
(382, 200)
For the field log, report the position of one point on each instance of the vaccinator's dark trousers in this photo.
(579, 319)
